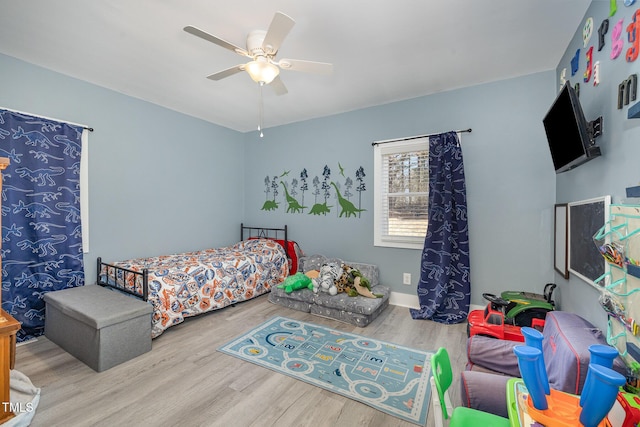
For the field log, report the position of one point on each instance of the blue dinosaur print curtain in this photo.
(41, 229)
(444, 288)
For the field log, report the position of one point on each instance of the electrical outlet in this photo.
(406, 278)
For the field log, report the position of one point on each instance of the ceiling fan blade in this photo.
(306, 66)
(213, 39)
(226, 73)
(278, 87)
(278, 30)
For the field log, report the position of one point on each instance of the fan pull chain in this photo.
(261, 120)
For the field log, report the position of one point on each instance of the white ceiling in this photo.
(382, 50)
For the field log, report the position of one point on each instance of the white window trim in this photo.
(380, 149)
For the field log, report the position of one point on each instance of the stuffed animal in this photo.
(353, 283)
(296, 282)
(362, 285)
(325, 282)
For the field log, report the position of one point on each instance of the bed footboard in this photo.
(131, 282)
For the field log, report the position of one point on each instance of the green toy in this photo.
(361, 285)
(296, 282)
(520, 308)
(633, 382)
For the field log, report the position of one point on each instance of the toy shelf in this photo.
(619, 242)
(629, 215)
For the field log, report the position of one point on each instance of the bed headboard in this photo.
(267, 233)
(278, 234)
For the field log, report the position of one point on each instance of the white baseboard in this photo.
(404, 300)
(26, 342)
(412, 301)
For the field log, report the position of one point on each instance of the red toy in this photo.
(625, 412)
(503, 318)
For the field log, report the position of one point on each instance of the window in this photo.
(401, 193)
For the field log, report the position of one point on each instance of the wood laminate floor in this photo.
(184, 381)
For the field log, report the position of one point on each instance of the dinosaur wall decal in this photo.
(269, 205)
(294, 205)
(297, 186)
(348, 208)
(320, 209)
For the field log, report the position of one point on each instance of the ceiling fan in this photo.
(262, 48)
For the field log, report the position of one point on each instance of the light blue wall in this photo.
(160, 181)
(617, 168)
(164, 182)
(509, 173)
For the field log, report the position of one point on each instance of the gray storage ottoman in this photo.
(101, 327)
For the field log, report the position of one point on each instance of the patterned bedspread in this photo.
(191, 283)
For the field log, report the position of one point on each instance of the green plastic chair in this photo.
(441, 380)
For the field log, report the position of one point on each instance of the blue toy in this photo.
(554, 408)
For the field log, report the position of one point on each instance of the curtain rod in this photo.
(374, 143)
(90, 129)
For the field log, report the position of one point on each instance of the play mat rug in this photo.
(385, 376)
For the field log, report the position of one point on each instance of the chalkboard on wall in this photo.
(586, 217)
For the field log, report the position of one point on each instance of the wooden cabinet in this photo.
(8, 329)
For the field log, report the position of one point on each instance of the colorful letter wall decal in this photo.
(632, 33)
(602, 31)
(627, 91)
(587, 31)
(575, 63)
(589, 69)
(629, 45)
(616, 43)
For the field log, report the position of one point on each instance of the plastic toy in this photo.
(441, 380)
(505, 315)
(554, 408)
(625, 411)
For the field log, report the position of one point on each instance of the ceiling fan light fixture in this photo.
(262, 71)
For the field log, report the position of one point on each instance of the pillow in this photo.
(294, 253)
(314, 262)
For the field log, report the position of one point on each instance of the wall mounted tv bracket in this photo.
(594, 129)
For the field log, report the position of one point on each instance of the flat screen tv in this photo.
(569, 134)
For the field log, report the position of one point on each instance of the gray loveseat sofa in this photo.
(358, 311)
